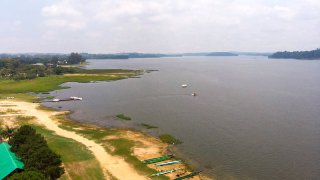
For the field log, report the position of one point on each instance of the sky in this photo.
(158, 26)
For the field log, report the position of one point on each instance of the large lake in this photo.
(253, 118)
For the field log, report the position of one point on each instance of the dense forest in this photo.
(30, 67)
(314, 54)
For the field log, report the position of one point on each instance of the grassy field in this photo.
(44, 84)
(53, 82)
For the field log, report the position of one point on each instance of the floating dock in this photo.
(169, 163)
(158, 159)
(73, 98)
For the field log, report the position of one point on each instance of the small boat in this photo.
(55, 100)
(75, 98)
(184, 85)
(158, 159)
(194, 94)
(169, 163)
(165, 172)
(187, 176)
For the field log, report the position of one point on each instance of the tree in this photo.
(33, 149)
(75, 58)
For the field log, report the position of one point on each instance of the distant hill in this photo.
(104, 56)
(253, 53)
(221, 54)
(210, 54)
(314, 54)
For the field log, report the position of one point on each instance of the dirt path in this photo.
(113, 164)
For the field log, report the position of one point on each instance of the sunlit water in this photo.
(253, 118)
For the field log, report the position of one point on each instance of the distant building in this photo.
(9, 162)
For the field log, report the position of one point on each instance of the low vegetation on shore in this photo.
(123, 117)
(148, 126)
(167, 138)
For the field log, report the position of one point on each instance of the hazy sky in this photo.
(104, 26)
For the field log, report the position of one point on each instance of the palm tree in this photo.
(8, 132)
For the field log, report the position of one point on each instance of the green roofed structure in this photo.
(9, 162)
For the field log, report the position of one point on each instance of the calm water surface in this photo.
(253, 118)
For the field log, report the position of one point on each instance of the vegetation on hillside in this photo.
(314, 54)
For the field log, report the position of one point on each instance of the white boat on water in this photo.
(55, 100)
(184, 85)
(76, 98)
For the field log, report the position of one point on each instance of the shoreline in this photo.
(149, 146)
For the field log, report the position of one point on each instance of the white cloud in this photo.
(60, 10)
(185, 25)
(64, 16)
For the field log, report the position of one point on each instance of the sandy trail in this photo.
(113, 164)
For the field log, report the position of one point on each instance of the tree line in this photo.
(314, 54)
(27, 67)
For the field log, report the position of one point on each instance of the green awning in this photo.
(8, 161)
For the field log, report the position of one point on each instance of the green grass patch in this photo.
(148, 126)
(167, 138)
(50, 97)
(53, 82)
(49, 83)
(77, 159)
(17, 96)
(123, 117)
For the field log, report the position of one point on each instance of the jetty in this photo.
(158, 159)
(169, 163)
(72, 98)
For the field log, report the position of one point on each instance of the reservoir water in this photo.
(253, 118)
